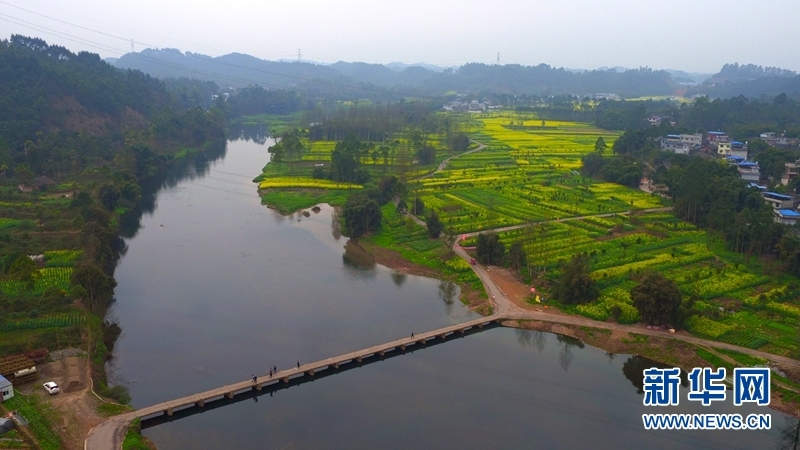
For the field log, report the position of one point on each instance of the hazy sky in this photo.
(692, 35)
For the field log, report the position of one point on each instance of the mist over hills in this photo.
(396, 80)
(238, 70)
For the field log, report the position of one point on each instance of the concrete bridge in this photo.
(109, 434)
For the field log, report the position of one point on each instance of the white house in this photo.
(692, 140)
(6, 389)
(673, 143)
(738, 149)
(786, 216)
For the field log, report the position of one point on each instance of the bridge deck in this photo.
(308, 369)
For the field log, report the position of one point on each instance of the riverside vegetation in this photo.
(78, 139)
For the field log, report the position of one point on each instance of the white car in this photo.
(51, 387)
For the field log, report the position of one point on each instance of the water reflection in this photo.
(448, 291)
(256, 133)
(398, 278)
(336, 224)
(355, 257)
(565, 355)
(191, 168)
(633, 369)
(531, 338)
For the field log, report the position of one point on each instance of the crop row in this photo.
(48, 321)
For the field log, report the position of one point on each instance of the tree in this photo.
(109, 196)
(24, 269)
(426, 155)
(361, 215)
(517, 256)
(418, 206)
(657, 298)
(489, 249)
(576, 285)
(600, 145)
(99, 286)
(592, 164)
(435, 226)
(23, 174)
(460, 143)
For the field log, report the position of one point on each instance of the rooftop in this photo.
(777, 196)
(788, 213)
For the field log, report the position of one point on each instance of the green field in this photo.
(529, 176)
(524, 175)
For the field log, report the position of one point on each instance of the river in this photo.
(213, 287)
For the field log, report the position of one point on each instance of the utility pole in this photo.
(132, 50)
(498, 58)
(299, 55)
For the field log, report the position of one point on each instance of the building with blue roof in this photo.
(778, 201)
(786, 216)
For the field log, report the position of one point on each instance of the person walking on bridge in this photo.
(298, 364)
(254, 378)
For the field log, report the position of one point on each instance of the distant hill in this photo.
(750, 80)
(399, 67)
(746, 72)
(370, 80)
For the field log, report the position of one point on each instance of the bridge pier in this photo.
(169, 411)
(200, 403)
(334, 366)
(360, 359)
(229, 394)
(382, 352)
(443, 336)
(310, 372)
(461, 330)
(258, 386)
(403, 347)
(285, 379)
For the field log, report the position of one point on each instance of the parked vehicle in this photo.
(51, 387)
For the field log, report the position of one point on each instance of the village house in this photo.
(732, 148)
(786, 216)
(778, 201)
(790, 173)
(694, 141)
(749, 171)
(6, 389)
(674, 144)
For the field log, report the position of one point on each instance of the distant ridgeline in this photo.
(750, 81)
(379, 82)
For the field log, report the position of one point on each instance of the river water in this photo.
(214, 286)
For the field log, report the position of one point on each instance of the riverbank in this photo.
(475, 299)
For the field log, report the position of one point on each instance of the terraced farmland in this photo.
(525, 175)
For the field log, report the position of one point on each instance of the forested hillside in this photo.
(78, 138)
